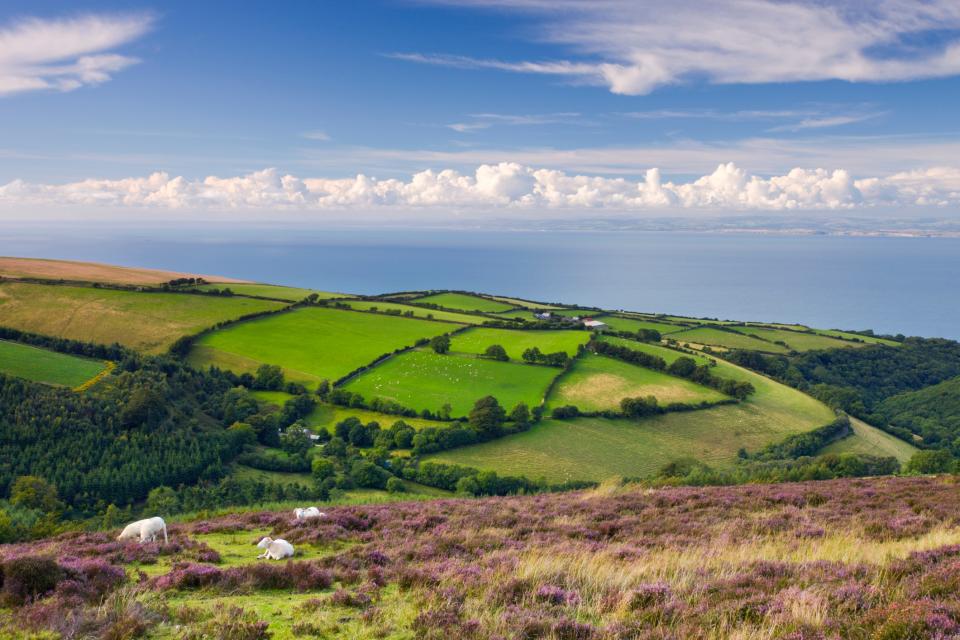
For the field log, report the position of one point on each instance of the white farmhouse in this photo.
(595, 325)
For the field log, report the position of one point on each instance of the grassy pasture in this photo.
(311, 343)
(621, 323)
(465, 302)
(424, 380)
(856, 336)
(873, 441)
(595, 449)
(796, 340)
(668, 355)
(728, 339)
(418, 312)
(515, 342)
(326, 416)
(293, 294)
(148, 322)
(43, 365)
(526, 304)
(597, 383)
(91, 272)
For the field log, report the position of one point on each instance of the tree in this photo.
(928, 461)
(520, 415)
(162, 500)
(640, 407)
(402, 434)
(487, 416)
(112, 517)
(322, 468)
(468, 486)
(296, 440)
(395, 485)
(323, 388)
(496, 352)
(682, 367)
(648, 335)
(532, 355)
(368, 475)
(245, 433)
(440, 344)
(269, 377)
(33, 492)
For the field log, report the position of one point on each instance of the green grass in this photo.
(42, 365)
(796, 340)
(620, 323)
(873, 441)
(326, 416)
(293, 294)
(465, 302)
(596, 449)
(669, 355)
(243, 472)
(311, 343)
(526, 304)
(597, 383)
(424, 380)
(148, 322)
(856, 336)
(418, 312)
(727, 339)
(515, 342)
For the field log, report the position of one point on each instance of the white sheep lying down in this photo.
(309, 512)
(275, 549)
(147, 530)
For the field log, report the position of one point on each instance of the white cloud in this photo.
(505, 185)
(318, 135)
(65, 54)
(486, 120)
(635, 46)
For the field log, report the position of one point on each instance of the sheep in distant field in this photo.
(147, 530)
(309, 512)
(274, 549)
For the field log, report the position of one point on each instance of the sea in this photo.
(893, 285)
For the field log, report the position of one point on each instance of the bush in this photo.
(29, 577)
(496, 352)
(395, 485)
(923, 462)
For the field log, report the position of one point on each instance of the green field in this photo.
(597, 383)
(326, 416)
(293, 294)
(424, 380)
(418, 312)
(620, 323)
(856, 336)
(516, 342)
(465, 302)
(528, 314)
(727, 339)
(311, 343)
(872, 441)
(796, 340)
(526, 304)
(595, 448)
(42, 365)
(148, 322)
(669, 355)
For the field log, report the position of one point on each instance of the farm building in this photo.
(595, 325)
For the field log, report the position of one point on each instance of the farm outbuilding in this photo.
(595, 325)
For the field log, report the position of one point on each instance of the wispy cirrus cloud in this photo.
(67, 53)
(478, 121)
(634, 47)
(317, 135)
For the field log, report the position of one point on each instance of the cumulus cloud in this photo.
(635, 46)
(506, 185)
(65, 54)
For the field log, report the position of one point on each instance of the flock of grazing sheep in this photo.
(148, 529)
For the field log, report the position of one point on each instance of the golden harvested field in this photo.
(92, 272)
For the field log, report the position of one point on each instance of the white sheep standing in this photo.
(147, 530)
(309, 512)
(275, 549)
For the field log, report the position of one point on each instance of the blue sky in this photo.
(597, 90)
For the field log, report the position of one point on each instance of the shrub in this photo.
(29, 577)
(395, 485)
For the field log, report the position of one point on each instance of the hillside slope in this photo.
(838, 559)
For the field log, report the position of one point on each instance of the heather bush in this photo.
(29, 577)
(230, 623)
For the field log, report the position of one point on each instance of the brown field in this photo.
(92, 272)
